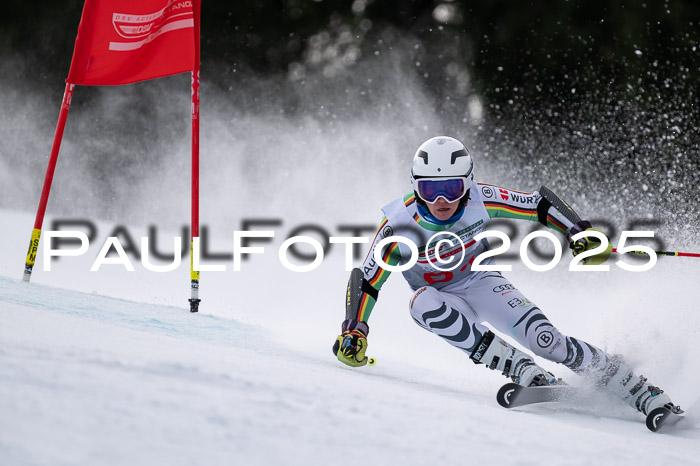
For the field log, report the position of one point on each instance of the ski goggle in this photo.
(451, 189)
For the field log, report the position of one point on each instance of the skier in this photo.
(453, 303)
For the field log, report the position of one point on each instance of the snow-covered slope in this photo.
(110, 368)
(88, 379)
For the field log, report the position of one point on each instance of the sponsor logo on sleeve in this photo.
(515, 302)
(545, 339)
(523, 199)
(502, 288)
(487, 192)
(370, 265)
(555, 346)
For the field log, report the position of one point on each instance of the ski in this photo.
(512, 395)
(663, 417)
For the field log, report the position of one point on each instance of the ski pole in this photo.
(662, 253)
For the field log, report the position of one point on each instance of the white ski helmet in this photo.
(437, 160)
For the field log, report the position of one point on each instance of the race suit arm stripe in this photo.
(391, 256)
(554, 220)
(555, 224)
(366, 281)
(532, 206)
(376, 237)
(505, 210)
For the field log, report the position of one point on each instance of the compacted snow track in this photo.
(89, 379)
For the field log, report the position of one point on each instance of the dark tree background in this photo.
(586, 94)
(526, 45)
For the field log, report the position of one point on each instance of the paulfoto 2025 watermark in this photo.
(442, 254)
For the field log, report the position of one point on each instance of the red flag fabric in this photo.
(125, 41)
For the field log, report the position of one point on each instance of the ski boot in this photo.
(619, 378)
(497, 354)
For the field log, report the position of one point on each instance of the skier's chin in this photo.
(444, 212)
